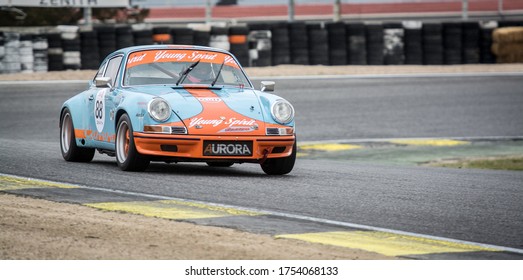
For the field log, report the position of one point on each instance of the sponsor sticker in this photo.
(99, 110)
(227, 148)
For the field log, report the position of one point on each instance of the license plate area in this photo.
(227, 148)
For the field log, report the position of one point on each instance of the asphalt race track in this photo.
(480, 206)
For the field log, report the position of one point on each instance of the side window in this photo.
(100, 72)
(112, 68)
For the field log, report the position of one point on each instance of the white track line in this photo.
(291, 216)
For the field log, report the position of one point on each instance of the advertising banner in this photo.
(65, 3)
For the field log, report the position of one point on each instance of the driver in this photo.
(202, 72)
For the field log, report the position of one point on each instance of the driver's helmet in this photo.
(201, 72)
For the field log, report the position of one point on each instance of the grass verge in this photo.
(495, 163)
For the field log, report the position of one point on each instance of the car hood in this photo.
(210, 111)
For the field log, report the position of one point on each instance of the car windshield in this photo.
(183, 67)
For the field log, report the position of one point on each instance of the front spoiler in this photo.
(190, 147)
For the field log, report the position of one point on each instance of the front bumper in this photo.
(190, 147)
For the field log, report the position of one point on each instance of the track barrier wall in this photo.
(266, 44)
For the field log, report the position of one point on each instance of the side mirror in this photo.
(103, 82)
(267, 85)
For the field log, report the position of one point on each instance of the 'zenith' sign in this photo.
(69, 3)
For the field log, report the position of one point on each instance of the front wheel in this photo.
(280, 166)
(127, 156)
(70, 151)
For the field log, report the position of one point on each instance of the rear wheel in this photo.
(127, 156)
(70, 151)
(280, 166)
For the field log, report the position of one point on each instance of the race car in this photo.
(172, 104)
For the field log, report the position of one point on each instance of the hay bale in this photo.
(508, 35)
(510, 58)
(500, 49)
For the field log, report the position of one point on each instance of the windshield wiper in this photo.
(218, 74)
(186, 72)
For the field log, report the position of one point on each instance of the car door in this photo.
(102, 106)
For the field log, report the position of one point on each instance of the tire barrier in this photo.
(162, 35)
(55, 53)
(201, 37)
(508, 44)
(485, 46)
(106, 40)
(470, 43)
(219, 38)
(265, 44)
(413, 44)
(239, 46)
(143, 37)
(298, 43)
(26, 53)
(260, 45)
(318, 44)
(89, 50)
(337, 43)
(394, 47)
(182, 36)
(2, 52)
(71, 47)
(12, 57)
(432, 43)
(356, 44)
(452, 43)
(124, 37)
(375, 44)
(280, 43)
(40, 48)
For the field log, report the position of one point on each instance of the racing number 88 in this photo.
(98, 113)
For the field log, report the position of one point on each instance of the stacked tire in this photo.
(375, 44)
(471, 43)
(89, 51)
(143, 37)
(337, 43)
(124, 37)
(486, 41)
(260, 45)
(106, 41)
(413, 43)
(26, 53)
(432, 44)
(452, 43)
(239, 46)
(71, 47)
(201, 37)
(281, 53)
(162, 35)
(318, 44)
(298, 43)
(55, 53)
(182, 36)
(40, 48)
(356, 43)
(394, 50)
(2, 52)
(219, 38)
(12, 54)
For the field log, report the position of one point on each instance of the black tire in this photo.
(220, 164)
(70, 151)
(127, 157)
(280, 166)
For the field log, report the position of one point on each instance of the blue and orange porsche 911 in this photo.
(173, 103)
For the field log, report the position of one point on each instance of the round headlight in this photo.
(159, 109)
(282, 111)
